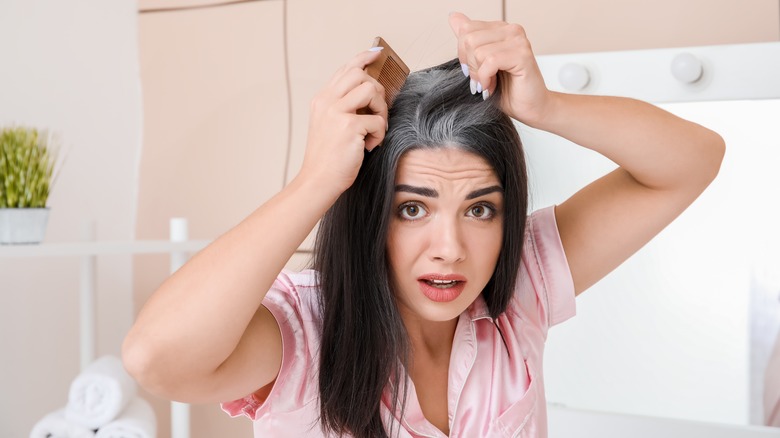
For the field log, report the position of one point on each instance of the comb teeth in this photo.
(392, 77)
(389, 70)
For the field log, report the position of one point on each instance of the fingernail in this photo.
(485, 95)
(479, 87)
(472, 86)
(375, 49)
(465, 69)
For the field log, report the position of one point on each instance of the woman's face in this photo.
(446, 231)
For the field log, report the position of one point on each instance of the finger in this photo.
(457, 20)
(376, 127)
(495, 39)
(368, 94)
(350, 80)
(495, 57)
(378, 104)
(362, 59)
(473, 48)
(359, 61)
(473, 35)
(489, 33)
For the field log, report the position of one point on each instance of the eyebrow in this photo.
(485, 191)
(431, 193)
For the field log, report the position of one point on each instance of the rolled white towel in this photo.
(100, 393)
(54, 425)
(136, 421)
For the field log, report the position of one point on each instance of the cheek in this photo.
(404, 245)
(392, 246)
(498, 241)
(488, 244)
(399, 259)
(396, 246)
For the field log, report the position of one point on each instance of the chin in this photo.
(441, 312)
(418, 304)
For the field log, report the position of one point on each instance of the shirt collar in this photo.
(478, 309)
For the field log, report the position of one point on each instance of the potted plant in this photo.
(26, 168)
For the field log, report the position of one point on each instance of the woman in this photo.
(433, 293)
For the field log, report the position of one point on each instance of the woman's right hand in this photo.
(204, 335)
(337, 133)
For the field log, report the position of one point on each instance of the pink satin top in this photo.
(490, 393)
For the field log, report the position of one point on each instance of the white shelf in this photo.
(88, 251)
(67, 249)
(101, 248)
(178, 248)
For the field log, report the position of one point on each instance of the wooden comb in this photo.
(389, 70)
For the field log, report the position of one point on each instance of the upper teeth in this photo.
(442, 281)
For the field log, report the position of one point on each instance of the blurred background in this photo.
(199, 109)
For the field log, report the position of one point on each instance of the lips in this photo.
(441, 287)
(441, 277)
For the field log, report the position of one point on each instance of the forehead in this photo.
(444, 164)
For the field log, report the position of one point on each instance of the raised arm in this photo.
(665, 162)
(203, 336)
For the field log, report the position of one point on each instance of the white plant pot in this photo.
(19, 226)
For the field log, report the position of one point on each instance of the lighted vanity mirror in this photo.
(686, 327)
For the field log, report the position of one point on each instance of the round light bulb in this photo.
(574, 77)
(687, 68)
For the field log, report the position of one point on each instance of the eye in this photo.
(481, 211)
(411, 211)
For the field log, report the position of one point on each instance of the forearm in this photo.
(658, 149)
(194, 321)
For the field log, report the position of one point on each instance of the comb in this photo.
(389, 70)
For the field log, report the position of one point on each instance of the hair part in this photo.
(365, 347)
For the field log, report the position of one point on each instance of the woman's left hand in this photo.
(664, 162)
(496, 48)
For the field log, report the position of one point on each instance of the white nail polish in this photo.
(465, 69)
(375, 49)
(485, 95)
(473, 86)
(479, 87)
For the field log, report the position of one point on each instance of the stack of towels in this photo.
(102, 403)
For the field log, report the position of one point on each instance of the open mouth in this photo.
(442, 287)
(442, 284)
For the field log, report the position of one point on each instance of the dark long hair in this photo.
(364, 347)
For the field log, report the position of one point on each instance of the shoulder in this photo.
(298, 290)
(292, 280)
(293, 302)
(544, 289)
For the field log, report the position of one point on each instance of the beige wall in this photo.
(214, 134)
(216, 107)
(570, 26)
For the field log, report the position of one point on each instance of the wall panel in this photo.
(215, 138)
(565, 26)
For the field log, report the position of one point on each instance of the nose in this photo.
(446, 242)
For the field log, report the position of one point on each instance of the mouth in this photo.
(442, 287)
(441, 277)
(442, 284)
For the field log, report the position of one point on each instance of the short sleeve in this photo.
(546, 287)
(291, 301)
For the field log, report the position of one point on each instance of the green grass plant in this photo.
(26, 167)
